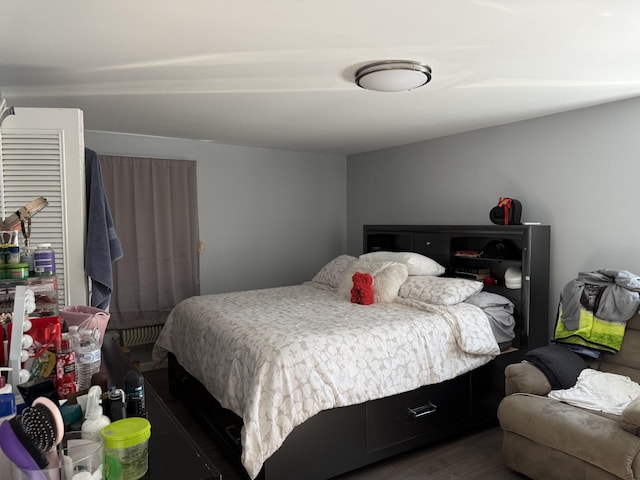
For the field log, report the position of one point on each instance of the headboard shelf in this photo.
(491, 247)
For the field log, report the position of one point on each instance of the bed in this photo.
(301, 382)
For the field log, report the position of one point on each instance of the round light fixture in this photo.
(393, 75)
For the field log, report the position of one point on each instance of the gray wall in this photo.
(272, 217)
(577, 171)
(267, 217)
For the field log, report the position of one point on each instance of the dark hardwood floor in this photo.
(477, 456)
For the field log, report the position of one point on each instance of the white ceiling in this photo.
(279, 73)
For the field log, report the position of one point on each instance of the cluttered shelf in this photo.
(497, 263)
(73, 383)
(169, 440)
(45, 289)
(500, 256)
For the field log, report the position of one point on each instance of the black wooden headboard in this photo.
(526, 247)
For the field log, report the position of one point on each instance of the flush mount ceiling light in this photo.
(393, 75)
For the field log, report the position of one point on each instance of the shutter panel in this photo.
(31, 167)
(42, 155)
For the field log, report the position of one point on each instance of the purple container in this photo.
(44, 260)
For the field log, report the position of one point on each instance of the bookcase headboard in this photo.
(464, 248)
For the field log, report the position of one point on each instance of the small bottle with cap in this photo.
(116, 403)
(44, 260)
(134, 394)
(65, 375)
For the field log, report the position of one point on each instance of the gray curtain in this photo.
(154, 207)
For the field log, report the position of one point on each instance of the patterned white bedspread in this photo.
(278, 356)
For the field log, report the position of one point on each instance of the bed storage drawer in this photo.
(222, 423)
(421, 412)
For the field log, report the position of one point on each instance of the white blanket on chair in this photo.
(600, 391)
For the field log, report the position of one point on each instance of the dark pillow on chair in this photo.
(559, 364)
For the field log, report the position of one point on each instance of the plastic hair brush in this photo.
(29, 440)
(38, 455)
(15, 451)
(43, 424)
(49, 420)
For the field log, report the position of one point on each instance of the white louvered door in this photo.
(42, 155)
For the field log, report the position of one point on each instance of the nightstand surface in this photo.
(172, 452)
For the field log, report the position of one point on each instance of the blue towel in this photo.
(103, 244)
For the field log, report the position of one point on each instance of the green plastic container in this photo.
(15, 271)
(126, 448)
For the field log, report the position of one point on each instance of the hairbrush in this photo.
(56, 416)
(36, 432)
(42, 423)
(27, 442)
(15, 451)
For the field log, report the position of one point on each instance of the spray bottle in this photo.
(94, 421)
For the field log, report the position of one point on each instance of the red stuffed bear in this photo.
(362, 291)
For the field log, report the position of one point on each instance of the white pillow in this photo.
(439, 290)
(333, 272)
(416, 263)
(387, 278)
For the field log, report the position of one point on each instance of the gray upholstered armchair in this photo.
(548, 439)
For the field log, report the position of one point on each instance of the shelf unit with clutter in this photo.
(30, 332)
(45, 291)
(21, 340)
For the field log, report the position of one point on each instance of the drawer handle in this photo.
(428, 243)
(422, 410)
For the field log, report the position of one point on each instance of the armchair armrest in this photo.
(630, 418)
(525, 377)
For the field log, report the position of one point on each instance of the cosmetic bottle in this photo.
(95, 420)
(134, 394)
(65, 367)
(116, 405)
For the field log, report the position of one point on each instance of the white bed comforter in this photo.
(278, 356)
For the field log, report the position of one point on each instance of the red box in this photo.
(45, 331)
